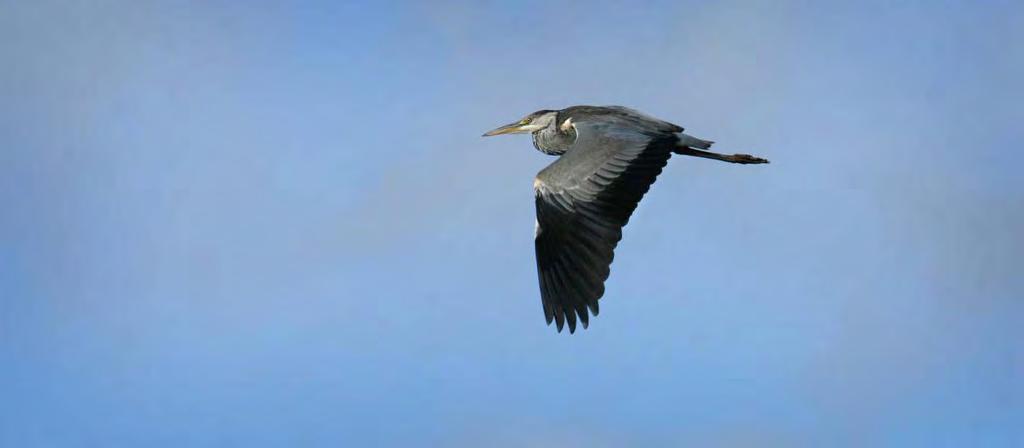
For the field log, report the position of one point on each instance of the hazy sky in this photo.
(264, 224)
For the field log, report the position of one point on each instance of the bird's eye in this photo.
(524, 121)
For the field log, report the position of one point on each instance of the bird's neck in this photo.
(552, 141)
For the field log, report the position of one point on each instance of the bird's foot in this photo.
(745, 159)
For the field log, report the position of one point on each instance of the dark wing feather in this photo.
(583, 201)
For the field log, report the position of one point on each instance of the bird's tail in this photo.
(690, 141)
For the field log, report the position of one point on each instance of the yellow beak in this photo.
(513, 128)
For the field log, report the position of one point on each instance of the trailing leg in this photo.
(731, 158)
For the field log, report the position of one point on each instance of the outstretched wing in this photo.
(583, 200)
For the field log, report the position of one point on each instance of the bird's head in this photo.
(530, 123)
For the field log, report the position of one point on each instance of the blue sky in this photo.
(270, 224)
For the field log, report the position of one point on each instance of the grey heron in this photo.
(608, 159)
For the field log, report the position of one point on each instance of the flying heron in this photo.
(608, 158)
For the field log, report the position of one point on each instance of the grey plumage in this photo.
(609, 157)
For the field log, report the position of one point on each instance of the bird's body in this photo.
(608, 159)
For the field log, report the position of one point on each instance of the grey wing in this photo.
(625, 116)
(584, 199)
